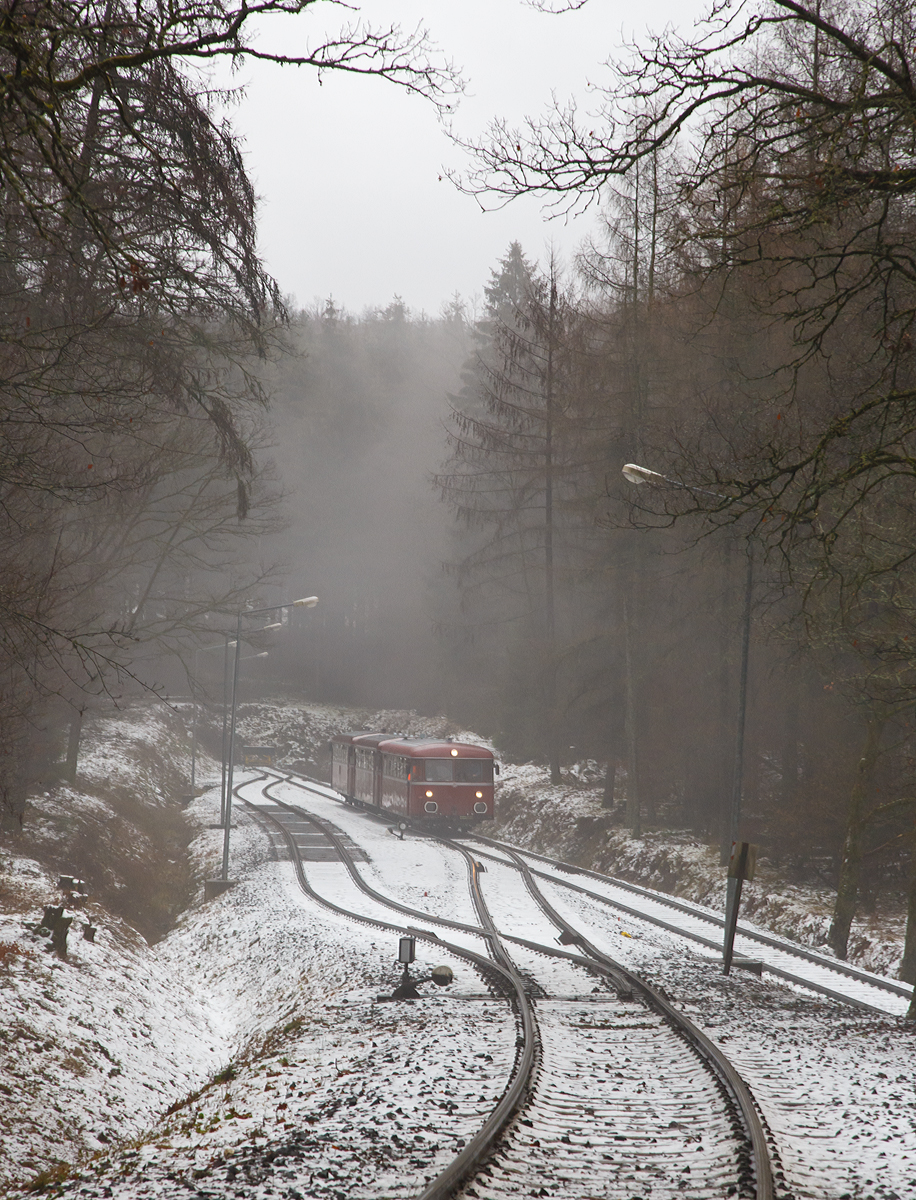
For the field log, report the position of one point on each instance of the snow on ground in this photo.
(423, 873)
(88, 1053)
(252, 1030)
(255, 1020)
(836, 1086)
(567, 821)
(326, 1089)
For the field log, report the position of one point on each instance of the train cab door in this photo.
(377, 780)
(351, 770)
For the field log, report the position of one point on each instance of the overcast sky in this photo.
(349, 170)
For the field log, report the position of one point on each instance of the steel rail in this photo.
(478, 1150)
(619, 983)
(784, 947)
(789, 948)
(771, 969)
(710, 1054)
(836, 965)
(462, 951)
(479, 1147)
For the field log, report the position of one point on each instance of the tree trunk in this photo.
(851, 863)
(610, 777)
(789, 765)
(634, 815)
(719, 819)
(553, 734)
(908, 966)
(73, 746)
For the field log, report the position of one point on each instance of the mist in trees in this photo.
(358, 415)
(136, 319)
(758, 176)
(451, 488)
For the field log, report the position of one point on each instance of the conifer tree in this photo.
(510, 452)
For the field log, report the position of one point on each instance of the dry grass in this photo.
(8, 950)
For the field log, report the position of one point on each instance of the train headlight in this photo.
(479, 795)
(429, 793)
(454, 753)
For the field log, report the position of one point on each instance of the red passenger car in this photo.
(415, 778)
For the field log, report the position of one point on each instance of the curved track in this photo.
(497, 971)
(786, 960)
(602, 1089)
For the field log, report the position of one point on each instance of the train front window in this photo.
(438, 770)
(458, 770)
(474, 770)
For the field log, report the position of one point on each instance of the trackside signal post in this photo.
(741, 866)
(407, 953)
(407, 988)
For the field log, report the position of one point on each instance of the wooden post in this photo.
(741, 866)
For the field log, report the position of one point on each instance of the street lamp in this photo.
(634, 473)
(223, 756)
(307, 602)
(194, 678)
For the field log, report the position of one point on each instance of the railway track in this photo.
(789, 961)
(785, 960)
(613, 1091)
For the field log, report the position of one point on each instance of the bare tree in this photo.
(801, 170)
(134, 314)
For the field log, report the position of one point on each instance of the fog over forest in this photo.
(727, 631)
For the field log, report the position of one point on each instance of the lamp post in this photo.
(222, 745)
(194, 677)
(738, 871)
(224, 646)
(307, 602)
(636, 474)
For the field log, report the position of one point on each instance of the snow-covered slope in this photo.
(253, 1004)
(569, 822)
(192, 1051)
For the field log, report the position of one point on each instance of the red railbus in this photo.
(421, 779)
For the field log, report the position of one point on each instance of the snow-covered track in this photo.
(675, 1080)
(702, 1109)
(786, 960)
(479, 1147)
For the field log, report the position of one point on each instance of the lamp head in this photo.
(634, 473)
(307, 602)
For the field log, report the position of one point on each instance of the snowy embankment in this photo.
(569, 823)
(213, 1041)
(250, 1031)
(88, 1053)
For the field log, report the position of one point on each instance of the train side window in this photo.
(394, 767)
